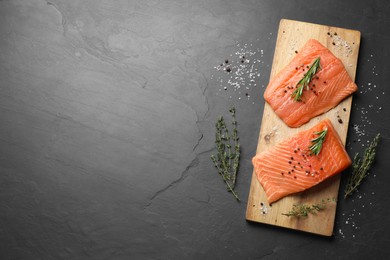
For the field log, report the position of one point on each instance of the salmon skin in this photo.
(329, 86)
(289, 167)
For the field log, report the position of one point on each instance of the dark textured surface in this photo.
(107, 113)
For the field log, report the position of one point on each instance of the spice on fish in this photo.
(306, 79)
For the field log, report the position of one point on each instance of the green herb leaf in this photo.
(304, 82)
(360, 167)
(228, 152)
(303, 210)
(317, 142)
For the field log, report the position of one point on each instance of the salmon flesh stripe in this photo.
(329, 86)
(288, 167)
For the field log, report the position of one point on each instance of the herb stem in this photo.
(360, 167)
(303, 210)
(317, 142)
(223, 173)
(306, 79)
(227, 159)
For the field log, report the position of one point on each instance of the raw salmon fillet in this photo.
(330, 85)
(289, 168)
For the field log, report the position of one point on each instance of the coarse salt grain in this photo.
(241, 70)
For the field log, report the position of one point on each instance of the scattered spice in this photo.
(242, 76)
(263, 208)
(268, 136)
(342, 45)
(305, 81)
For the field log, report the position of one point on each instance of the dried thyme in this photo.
(303, 210)
(360, 167)
(228, 152)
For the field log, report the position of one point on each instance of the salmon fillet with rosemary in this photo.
(325, 89)
(301, 162)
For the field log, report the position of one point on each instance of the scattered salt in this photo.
(263, 208)
(241, 70)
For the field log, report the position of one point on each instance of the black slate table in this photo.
(107, 113)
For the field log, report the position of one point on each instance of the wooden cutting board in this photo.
(292, 35)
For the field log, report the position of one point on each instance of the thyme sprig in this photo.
(228, 152)
(317, 142)
(304, 82)
(360, 167)
(303, 210)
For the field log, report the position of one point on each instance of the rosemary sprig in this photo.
(303, 210)
(304, 82)
(228, 152)
(360, 167)
(317, 142)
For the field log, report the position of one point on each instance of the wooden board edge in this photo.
(329, 26)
